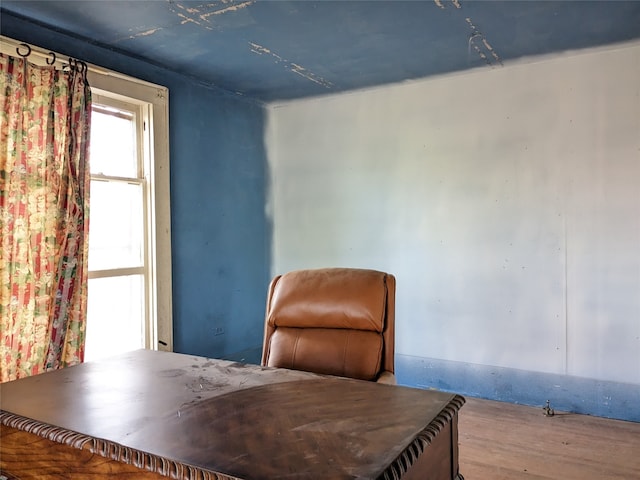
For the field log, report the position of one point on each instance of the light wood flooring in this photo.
(502, 441)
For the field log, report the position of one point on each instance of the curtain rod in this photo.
(43, 56)
(27, 53)
(36, 54)
(8, 46)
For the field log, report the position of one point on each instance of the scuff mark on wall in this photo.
(293, 67)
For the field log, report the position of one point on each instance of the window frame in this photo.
(154, 106)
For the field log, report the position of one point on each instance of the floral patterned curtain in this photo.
(44, 215)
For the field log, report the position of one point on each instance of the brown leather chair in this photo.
(336, 321)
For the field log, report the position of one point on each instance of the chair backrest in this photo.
(337, 321)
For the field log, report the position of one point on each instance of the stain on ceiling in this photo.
(279, 50)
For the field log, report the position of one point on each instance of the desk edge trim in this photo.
(409, 455)
(110, 450)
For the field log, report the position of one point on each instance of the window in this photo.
(117, 247)
(129, 301)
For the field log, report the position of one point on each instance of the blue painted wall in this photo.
(220, 234)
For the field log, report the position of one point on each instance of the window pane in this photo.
(113, 143)
(116, 230)
(115, 310)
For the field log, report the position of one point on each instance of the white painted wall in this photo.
(505, 201)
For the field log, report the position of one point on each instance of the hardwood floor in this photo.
(502, 441)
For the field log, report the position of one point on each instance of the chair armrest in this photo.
(387, 378)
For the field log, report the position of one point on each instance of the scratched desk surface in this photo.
(240, 420)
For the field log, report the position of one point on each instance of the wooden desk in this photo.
(149, 415)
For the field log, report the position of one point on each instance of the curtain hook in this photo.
(25, 55)
(53, 59)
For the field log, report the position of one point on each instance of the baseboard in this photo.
(564, 393)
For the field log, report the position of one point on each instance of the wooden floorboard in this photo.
(503, 441)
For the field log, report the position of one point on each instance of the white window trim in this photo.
(129, 89)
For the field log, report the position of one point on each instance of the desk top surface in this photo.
(238, 420)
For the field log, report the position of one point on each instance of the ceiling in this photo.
(278, 50)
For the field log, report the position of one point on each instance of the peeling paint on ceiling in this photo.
(276, 50)
(293, 67)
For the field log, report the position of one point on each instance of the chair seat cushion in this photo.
(332, 351)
